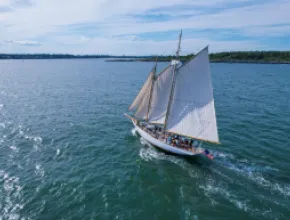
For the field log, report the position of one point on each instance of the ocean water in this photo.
(67, 151)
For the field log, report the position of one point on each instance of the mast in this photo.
(173, 82)
(151, 89)
(179, 43)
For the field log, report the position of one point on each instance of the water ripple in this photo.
(67, 151)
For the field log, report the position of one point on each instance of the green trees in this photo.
(252, 56)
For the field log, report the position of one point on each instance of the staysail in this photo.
(146, 87)
(141, 104)
(142, 111)
(160, 96)
(192, 110)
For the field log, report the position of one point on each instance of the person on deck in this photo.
(177, 142)
(169, 139)
(190, 143)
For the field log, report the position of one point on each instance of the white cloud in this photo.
(103, 21)
(118, 46)
(23, 43)
(4, 3)
(44, 16)
(234, 18)
(21, 3)
(275, 31)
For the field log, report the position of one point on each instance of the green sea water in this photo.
(67, 151)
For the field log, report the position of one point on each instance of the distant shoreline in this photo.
(56, 56)
(259, 57)
(211, 61)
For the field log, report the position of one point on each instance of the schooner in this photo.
(175, 110)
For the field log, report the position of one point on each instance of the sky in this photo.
(149, 27)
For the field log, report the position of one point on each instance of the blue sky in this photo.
(134, 27)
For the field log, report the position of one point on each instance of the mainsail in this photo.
(160, 96)
(192, 110)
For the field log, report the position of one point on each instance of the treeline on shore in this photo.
(253, 56)
(226, 57)
(56, 56)
(239, 56)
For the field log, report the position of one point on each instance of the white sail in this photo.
(160, 96)
(139, 98)
(192, 111)
(142, 111)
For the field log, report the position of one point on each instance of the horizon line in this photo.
(114, 55)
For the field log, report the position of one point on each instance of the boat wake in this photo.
(134, 132)
(223, 177)
(252, 172)
(150, 153)
(242, 203)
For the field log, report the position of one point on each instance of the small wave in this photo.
(223, 155)
(36, 139)
(2, 125)
(271, 168)
(144, 142)
(148, 154)
(10, 194)
(181, 193)
(15, 149)
(134, 132)
(105, 200)
(244, 160)
(39, 170)
(11, 183)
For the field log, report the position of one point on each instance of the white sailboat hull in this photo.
(163, 146)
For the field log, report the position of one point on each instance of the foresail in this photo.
(192, 111)
(160, 96)
(142, 111)
(139, 98)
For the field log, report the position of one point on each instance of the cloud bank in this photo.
(131, 28)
